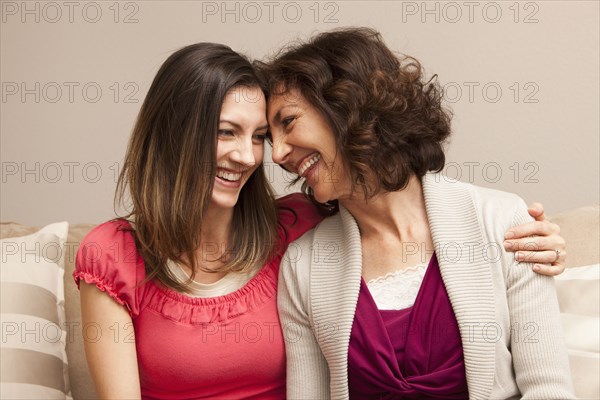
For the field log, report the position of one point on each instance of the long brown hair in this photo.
(170, 166)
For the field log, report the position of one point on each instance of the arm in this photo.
(538, 350)
(112, 361)
(536, 242)
(307, 371)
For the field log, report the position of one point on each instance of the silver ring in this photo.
(557, 251)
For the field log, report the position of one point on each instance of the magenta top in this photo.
(222, 347)
(415, 353)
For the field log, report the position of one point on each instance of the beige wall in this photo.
(522, 79)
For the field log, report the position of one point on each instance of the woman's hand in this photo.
(538, 242)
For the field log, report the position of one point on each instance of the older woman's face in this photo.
(304, 143)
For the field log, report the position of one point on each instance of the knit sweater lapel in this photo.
(335, 284)
(460, 247)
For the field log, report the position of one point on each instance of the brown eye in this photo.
(259, 138)
(225, 132)
(288, 120)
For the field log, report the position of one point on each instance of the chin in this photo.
(223, 200)
(321, 197)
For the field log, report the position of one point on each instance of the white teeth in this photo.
(308, 163)
(229, 176)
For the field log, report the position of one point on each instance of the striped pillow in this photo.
(578, 290)
(32, 353)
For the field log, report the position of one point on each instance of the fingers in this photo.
(535, 228)
(540, 249)
(536, 210)
(549, 270)
(553, 265)
(548, 257)
(536, 243)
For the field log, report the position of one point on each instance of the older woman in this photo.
(407, 291)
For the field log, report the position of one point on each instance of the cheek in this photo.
(259, 153)
(338, 172)
(222, 149)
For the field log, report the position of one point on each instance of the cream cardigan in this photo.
(508, 315)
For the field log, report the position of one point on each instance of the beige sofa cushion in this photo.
(581, 229)
(82, 386)
(578, 291)
(32, 353)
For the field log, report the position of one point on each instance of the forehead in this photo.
(245, 104)
(281, 99)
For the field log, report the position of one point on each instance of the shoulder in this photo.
(323, 241)
(113, 237)
(499, 208)
(291, 199)
(487, 199)
(108, 258)
(110, 248)
(492, 206)
(326, 230)
(296, 215)
(109, 231)
(452, 204)
(293, 204)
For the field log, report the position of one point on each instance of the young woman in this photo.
(407, 291)
(184, 289)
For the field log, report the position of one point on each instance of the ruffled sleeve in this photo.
(297, 215)
(108, 258)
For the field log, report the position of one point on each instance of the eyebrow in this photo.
(277, 116)
(240, 128)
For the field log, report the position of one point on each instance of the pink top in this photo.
(220, 347)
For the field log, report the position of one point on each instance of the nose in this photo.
(280, 150)
(244, 153)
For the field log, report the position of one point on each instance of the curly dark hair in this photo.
(389, 122)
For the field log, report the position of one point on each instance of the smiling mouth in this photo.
(308, 163)
(229, 176)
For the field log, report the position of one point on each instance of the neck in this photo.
(214, 242)
(216, 231)
(216, 225)
(399, 213)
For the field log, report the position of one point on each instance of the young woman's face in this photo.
(240, 145)
(304, 143)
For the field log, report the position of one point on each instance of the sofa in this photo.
(44, 358)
